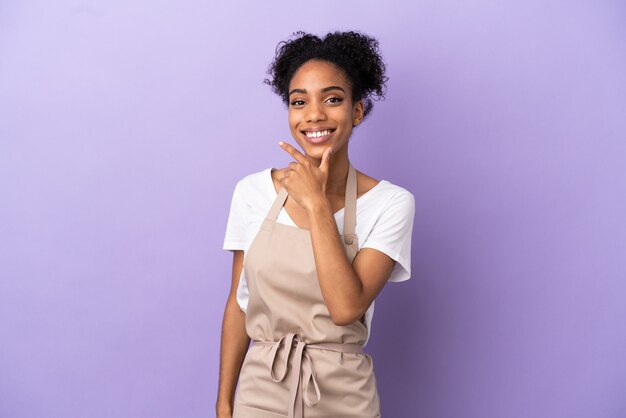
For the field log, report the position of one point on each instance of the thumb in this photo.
(326, 159)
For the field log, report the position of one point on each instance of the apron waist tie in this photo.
(304, 367)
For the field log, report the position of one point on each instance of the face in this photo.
(321, 112)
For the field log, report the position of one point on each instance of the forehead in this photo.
(316, 74)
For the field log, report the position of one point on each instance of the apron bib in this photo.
(300, 363)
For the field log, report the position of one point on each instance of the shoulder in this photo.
(385, 187)
(255, 179)
(392, 195)
(254, 184)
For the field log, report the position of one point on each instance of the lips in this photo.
(317, 136)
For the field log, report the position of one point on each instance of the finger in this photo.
(294, 166)
(297, 155)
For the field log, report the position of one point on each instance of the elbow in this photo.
(345, 317)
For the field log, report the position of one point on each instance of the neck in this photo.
(337, 177)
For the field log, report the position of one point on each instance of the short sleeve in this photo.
(235, 236)
(392, 233)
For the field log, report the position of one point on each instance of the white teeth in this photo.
(317, 134)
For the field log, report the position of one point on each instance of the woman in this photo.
(308, 261)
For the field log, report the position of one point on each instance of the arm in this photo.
(234, 344)
(348, 289)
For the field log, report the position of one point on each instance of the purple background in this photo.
(124, 126)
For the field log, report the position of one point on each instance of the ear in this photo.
(357, 112)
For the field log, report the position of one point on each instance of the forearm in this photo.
(234, 344)
(340, 285)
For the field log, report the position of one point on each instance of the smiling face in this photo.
(321, 112)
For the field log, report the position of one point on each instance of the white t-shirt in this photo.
(384, 221)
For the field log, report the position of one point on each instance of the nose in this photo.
(315, 111)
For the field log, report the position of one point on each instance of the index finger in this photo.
(293, 152)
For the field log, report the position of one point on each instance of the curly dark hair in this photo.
(355, 53)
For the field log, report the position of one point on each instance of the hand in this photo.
(305, 182)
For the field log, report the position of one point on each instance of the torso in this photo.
(324, 372)
(298, 214)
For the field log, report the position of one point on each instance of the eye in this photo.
(297, 102)
(334, 100)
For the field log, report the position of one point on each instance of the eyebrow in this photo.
(324, 90)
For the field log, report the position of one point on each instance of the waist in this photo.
(351, 348)
(304, 373)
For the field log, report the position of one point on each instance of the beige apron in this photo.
(300, 364)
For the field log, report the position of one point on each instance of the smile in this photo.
(317, 137)
(318, 134)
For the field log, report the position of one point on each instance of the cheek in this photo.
(293, 127)
(292, 121)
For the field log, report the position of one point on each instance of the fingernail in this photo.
(280, 143)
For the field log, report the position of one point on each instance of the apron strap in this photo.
(277, 205)
(349, 212)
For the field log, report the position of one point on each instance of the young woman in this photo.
(313, 243)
